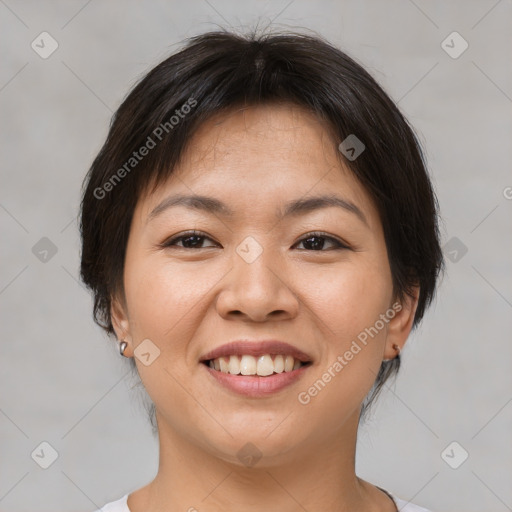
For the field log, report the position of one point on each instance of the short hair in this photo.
(220, 70)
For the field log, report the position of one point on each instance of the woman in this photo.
(261, 235)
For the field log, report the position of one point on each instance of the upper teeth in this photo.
(250, 365)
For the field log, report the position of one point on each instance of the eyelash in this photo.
(319, 234)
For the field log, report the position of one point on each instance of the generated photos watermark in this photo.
(152, 141)
(305, 397)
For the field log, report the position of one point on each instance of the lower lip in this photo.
(255, 386)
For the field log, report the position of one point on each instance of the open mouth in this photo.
(260, 366)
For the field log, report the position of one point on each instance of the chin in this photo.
(255, 448)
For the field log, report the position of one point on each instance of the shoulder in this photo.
(405, 506)
(120, 505)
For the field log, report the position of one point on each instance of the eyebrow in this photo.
(293, 208)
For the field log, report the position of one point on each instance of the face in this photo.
(315, 276)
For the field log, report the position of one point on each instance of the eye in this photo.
(316, 241)
(195, 239)
(190, 239)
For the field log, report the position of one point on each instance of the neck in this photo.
(319, 476)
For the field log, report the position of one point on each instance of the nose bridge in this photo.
(256, 265)
(257, 285)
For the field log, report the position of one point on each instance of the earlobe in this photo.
(400, 325)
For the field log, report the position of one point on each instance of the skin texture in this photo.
(188, 301)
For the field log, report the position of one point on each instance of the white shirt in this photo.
(121, 505)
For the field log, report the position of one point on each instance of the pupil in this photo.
(194, 244)
(317, 245)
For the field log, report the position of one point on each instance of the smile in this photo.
(262, 366)
(247, 382)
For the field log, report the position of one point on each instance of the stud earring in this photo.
(122, 347)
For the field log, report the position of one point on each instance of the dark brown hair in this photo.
(221, 70)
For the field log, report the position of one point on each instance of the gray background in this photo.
(62, 380)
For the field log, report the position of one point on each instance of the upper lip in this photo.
(256, 348)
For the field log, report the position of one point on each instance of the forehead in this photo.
(268, 135)
(266, 153)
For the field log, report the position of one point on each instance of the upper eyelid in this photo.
(186, 234)
(341, 243)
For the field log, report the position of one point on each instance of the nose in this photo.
(258, 291)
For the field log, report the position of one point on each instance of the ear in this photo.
(400, 325)
(121, 322)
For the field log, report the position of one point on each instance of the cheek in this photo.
(350, 306)
(351, 300)
(166, 299)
